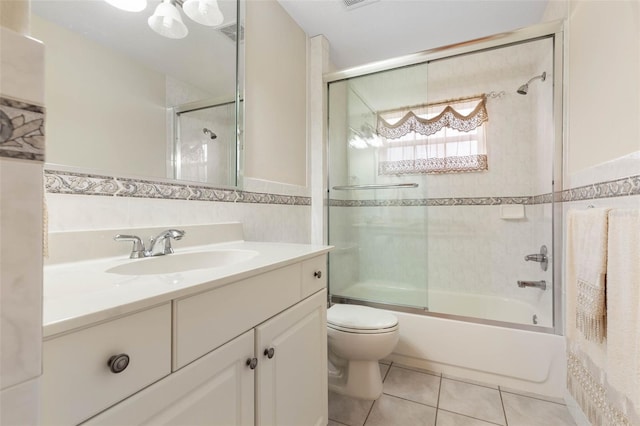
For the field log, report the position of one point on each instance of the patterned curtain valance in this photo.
(449, 117)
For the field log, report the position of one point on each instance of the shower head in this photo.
(525, 87)
(209, 133)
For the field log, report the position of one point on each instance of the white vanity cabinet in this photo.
(251, 352)
(291, 377)
(77, 381)
(222, 388)
(217, 389)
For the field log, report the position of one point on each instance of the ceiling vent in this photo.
(231, 31)
(354, 4)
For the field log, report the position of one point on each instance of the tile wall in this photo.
(110, 202)
(21, 156)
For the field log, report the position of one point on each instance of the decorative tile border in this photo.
(59, 182)
(432, 202)
(21, 130)
(616, 188)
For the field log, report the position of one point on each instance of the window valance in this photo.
(448, 118)
(442, 137)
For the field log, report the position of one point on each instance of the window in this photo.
(446, 137)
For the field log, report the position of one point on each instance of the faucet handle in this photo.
(137, 250)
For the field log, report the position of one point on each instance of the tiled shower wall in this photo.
(450, 227)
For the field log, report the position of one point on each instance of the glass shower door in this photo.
(441, 182)
(377, 222)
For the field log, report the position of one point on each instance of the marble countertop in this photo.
(82, 293)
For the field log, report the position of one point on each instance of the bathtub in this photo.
(521, 359)
(490, 308)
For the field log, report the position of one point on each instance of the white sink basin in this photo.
(183, 262)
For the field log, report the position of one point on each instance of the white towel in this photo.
(586, 272)
(623, 304)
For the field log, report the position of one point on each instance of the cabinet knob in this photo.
(317, 274)
(269, 353)
(252, 363)
(118, 363)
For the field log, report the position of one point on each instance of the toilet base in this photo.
(357, 379)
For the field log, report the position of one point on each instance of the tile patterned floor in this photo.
(413, 397)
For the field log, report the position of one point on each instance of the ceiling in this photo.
(386, 29)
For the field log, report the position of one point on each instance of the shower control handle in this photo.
(269, 353)
(317, 274)
(541, 257)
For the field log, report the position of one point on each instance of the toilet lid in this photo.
(360, 317)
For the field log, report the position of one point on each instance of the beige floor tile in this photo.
(446, 418)
(412, 385)
(349, 411)
(391, 411)
(472, 400)
(332, 423)
(384, 368)
(525, 411)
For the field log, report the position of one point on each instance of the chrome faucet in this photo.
(139, 250)
(164, 236)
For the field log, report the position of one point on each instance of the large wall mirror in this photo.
(152, 93)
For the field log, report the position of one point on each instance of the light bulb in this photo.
(205, 12)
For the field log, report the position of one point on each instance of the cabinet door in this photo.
(217, 389)
(291, 386)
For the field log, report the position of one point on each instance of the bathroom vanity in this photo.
(236, 344)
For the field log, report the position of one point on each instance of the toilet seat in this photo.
(360, 319)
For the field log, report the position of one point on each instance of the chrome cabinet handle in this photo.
(118, 363)
(269, 353)
(252, 363)
(317, 274)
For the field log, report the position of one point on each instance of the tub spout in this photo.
(542, 285)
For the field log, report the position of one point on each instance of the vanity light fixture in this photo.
(167, 22)
(166, 19)
(129, 5)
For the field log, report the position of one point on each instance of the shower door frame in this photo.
(553, 30)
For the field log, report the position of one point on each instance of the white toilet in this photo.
(358, 338)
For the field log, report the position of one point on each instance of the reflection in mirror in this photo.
(202, 132)
(131, 93)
